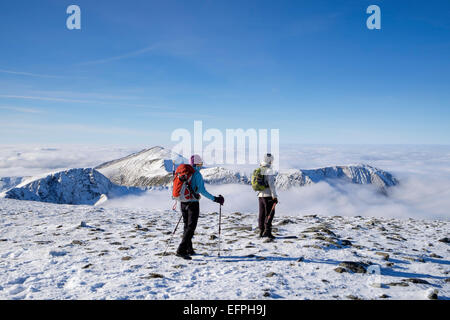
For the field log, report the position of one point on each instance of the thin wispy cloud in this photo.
(101, 97)
(179, 115)
(104, 100)
(45, 98)
(83, 95)
(20, 109)
(120, 57)
(29, 74)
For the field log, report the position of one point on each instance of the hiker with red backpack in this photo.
(263, 182)
(187, 187)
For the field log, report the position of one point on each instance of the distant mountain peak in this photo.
(149, 167)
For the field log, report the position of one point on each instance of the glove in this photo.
(275, 200)
(219, 199)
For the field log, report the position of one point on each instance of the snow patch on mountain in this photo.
(358, 174)
(218, 175)
(149, 167)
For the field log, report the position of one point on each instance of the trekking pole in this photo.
(174, 209)
(220, 224)
(270, 214)
(168, 243)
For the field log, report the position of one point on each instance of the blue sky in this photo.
(137, 70)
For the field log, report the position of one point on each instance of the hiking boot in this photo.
(261, 233)
(183, 255)
(268, 234)
(191, 252)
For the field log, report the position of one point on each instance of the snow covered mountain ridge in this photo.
(359, 174)
(153, 167)
(149, 167)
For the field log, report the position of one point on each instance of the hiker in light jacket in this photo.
(267, 198)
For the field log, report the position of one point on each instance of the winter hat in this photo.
(196, 159)
(268, 159)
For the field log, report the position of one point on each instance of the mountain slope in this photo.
(149, 167)
(74, 186)
(358, 174)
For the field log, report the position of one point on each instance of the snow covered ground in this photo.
(53, 251)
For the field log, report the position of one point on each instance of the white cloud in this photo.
(25, 160)
(412, 199)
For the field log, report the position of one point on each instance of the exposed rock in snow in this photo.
(218, 175)
(292, 178)
(74, 186)
(7, 183)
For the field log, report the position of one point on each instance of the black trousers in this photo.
(265, 206)
(190, 211)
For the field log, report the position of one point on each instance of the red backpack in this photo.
(182, 190)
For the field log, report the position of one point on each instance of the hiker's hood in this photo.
(267, 161)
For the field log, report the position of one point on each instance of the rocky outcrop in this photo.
(7, 183)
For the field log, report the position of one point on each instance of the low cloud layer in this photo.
(423, 171)
(412, 199)
(37, 160)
